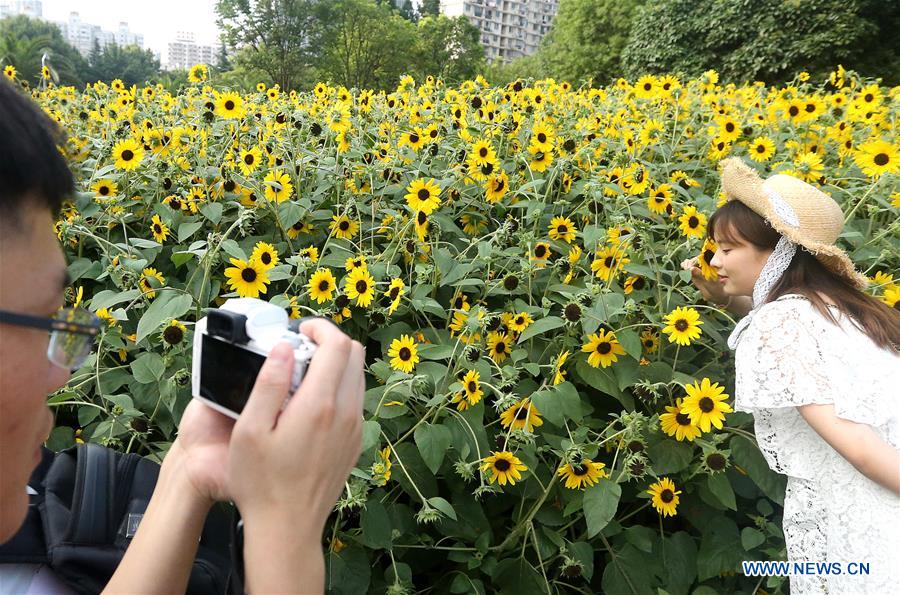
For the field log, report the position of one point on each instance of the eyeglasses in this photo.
(72, 333)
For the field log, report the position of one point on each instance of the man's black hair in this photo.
(33, 173)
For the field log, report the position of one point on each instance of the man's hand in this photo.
(203, 437)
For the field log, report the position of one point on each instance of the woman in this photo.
(817, 365)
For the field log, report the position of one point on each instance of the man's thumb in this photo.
(271, 388)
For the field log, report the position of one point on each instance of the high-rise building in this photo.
(184, 52)
(30, 8)
(83, 35)
(510, 29)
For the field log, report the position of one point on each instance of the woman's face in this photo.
(738, 264)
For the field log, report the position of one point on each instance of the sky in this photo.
(157, 20)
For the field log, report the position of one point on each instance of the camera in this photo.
(230, 346)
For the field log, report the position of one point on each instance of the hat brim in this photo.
(743, 183)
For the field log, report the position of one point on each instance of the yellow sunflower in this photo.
(265, 254)
(321, 285)
(540, 254)
(559, 375)
(562, 228)
(683, 325)
(104, 188)
(360, 286)
(496, 187)
(519, 322)
(394, 292)
(423, 196)
(504, 466)
(761, 149)
(498, 346)
(891, 297)
(248, 160)
(247, 278)
(150, 281)
(524, 415)
(705, 404)
(229, 105)
(128, 154)
(707, 252)
(660, 198)
(471, 393)
(665, 498)
(160, 231)
(603, 348)
(278, 186)
(482, 153)
(584, 474)
(173, 333)
(343, 227)
(676, 422)
(198, 73)
(404, 354)
(877, 157)
(693, 223)
(650, 341)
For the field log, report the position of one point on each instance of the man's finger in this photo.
(270, 390)
(333, 349)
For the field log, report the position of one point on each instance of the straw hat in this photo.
(797, 210)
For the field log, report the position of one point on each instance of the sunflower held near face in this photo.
(705, 404)
(504, 466)
(583, 474)
(603, 348)
(404, 354)
(247, 278)
(683, 325)
(665, 497)
(128, 154)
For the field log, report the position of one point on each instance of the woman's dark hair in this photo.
(809, 277)
(32, 170)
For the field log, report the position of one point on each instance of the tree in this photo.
(369, 45)
(587, 38)
(131, 64)
(23, 41)
(767, 40)
(283, 38)
(449, 48)
(430, 8)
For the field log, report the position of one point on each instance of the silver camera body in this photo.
(230, 346)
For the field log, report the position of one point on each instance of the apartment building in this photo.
(184, 52)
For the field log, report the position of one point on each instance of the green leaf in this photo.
(721, 488)
(599, 504)
(750, 538)
(542, 325)
(515, 576)
(167, 305)
(212, 211)
(371, 432)
(433, 441)
(598, 378)
(558, 403)
(148, 368)
(747, 456)
(376, 526)
(631, 342)
(720, 548)
(443, 506)
(107, 298)
(669, 456)
(234, 250)
(186, 230)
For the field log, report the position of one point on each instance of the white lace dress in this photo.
(790, 355)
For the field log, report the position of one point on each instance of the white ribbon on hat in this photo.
(772, 271)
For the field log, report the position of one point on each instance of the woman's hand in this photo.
(711, 290)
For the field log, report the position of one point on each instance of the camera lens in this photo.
(227, 325)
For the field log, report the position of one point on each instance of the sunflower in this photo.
(355, 262)
(150, 281)
(608, 262)
(519, 322)
(128, 154)
(471, 393)
(540, 160)
(891, 297)
(645, 87)
(413, 139)
(604, 349)
(542, 138)
(761, 149)
(504, 466)
(229, 105)
(343, 227)
(248, 160)
(540, 254)
(562, 228)
(650, 341)
(707, 252)
(809, 167)
(173, 333)
(482, 153)
(394, 292)
(665, 498)
(160, 231)
(683, 325)
(676, 422)
(496, 187)
(524, 415)
(584, 474)
(278, 186)
(198, 73)
(660, 198)
(10, 71)
(104, 188)
(421, 225)
(634, 283)
(423, 196)
(498, 346)
(704, 404)
(360, 286)
(321, 285)
(310, 252)
(877, 157)
(693, 223)
(248, 278)
(381, 468)
(265, 254)
(559, 375)
(404, 354)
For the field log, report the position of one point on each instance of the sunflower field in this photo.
(548, 396)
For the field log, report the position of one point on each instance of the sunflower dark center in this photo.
(127, 155)
(608, 261)
(638, 283)
(869, 97)
(471, 386)
(157, 228)
(540, 251)
(421, 218)
(520, 320)
(501, 347)
(482, 152)
(881, 159)
(405, 354)
(393, 293)
(682, 419)
(580, 470)
(344, 225)
(248, 275)
(542, 138)
(666, 496)
(413, 138)
(229, 105)
(708, 256)
(487, 169)
(563, 228)
(681, 325)
(249, 158)
(729, 127)
(573, 312)
(424, 194)
(502, 465)
(794, 110)
(173, 335)
(522, 413)
(266, 258)
(104, 190)
(604, 348)
(499, 184)
(324, 285)
(361, 286)
(716, 461)
(706, 404)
